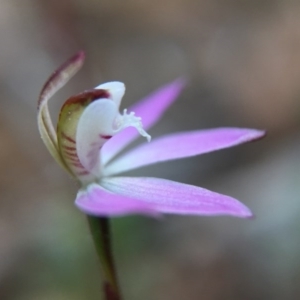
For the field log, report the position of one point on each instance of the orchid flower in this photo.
(91, 132)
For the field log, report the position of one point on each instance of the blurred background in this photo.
(242, 58)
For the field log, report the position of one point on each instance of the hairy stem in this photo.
(100, 229)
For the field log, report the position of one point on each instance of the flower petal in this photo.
(176, 198)
(97, 201)
(150, 109)
(94, 128)
(115, 89)
(180, 145)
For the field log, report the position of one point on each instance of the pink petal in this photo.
(177, 198)
(180, 145)
(150, 109)
(96, 200)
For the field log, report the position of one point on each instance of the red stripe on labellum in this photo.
(68, 138)
(69, 148)
(105, 137)
(71, 154)
(87, 97)
(78, 165)
(73, 159)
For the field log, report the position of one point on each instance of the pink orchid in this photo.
(91, 132)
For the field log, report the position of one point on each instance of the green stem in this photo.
(100, 230)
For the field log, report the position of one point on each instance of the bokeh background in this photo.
(242, 58)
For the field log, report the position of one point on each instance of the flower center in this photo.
(129, 119)
(85, 125)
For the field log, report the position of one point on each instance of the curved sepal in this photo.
(57, 80)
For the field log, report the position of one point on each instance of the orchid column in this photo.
(91, 132)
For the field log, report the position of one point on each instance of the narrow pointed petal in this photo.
(150, 109)
(176, 198)
(181, 145)
(94, 128)
(98, 201)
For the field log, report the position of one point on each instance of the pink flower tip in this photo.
(80, 55)
(255, 135)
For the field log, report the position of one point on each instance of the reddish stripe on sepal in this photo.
(58, 78)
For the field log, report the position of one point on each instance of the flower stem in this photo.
(100, 229)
